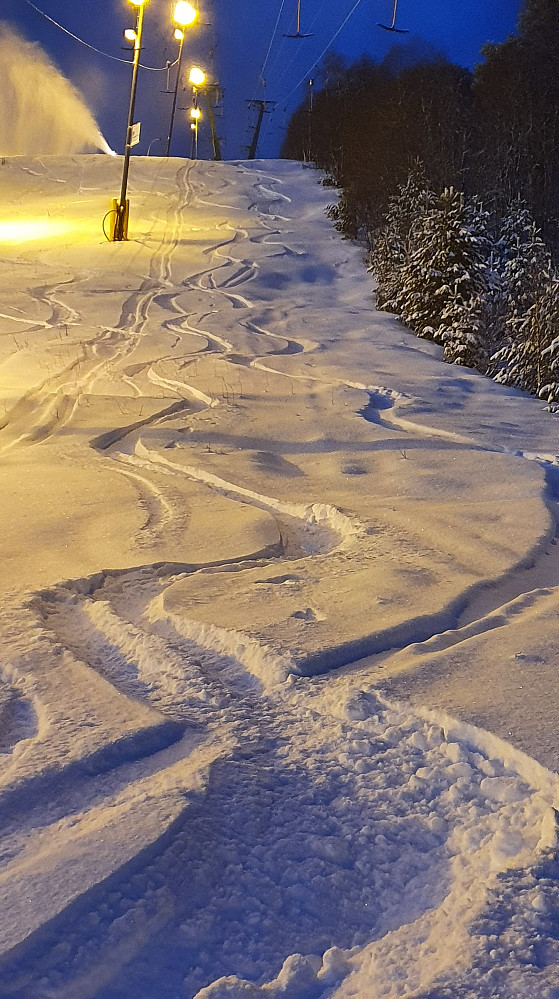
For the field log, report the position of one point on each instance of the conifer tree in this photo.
(542, 326)
(463, 331)
(391, 243)
(470, 311)
(525, 266)
(444, 282)
(523, 259)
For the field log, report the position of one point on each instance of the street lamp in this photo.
(184, 16)
(120, 208)
(196, 77)
(195, 114)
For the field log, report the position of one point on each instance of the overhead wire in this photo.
(274, 32)
(287, 66)
(284, 99)
(285, 69)
(260, 78)
(127, 62)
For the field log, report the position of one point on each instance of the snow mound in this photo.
(300, 978)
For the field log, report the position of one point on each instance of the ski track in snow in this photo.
(329, 822)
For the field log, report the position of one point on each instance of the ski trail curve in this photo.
(337, 821)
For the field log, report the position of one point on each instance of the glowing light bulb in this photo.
(185, 13)
(197, 76)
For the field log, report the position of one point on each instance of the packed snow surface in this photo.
(278, 711)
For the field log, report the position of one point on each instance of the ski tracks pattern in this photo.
(270, 851)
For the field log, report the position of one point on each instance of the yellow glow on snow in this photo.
(23, 230)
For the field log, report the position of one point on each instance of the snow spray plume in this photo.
(40, 111)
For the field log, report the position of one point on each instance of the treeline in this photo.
(470, 267)
(494, 132)
(483, 288)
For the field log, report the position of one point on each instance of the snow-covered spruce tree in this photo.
(524, 259)
(351, 216)
(344, 215)
(541, 328)
(391, 242)
(466, 329)
(525, 268)
(444, 285)
(463, 331)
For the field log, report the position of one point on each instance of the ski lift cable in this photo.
(277, 56)
(127, 62)
(285, 68)
(260, 77)
(317, 15)
(267, 56)
(324, 51)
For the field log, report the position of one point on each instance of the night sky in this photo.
(231, 41)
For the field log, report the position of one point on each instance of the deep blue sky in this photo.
(239, 34)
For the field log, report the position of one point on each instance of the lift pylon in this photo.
(262, 108)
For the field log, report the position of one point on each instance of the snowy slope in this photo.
(279, 626)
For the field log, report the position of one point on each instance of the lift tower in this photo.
(262, 108)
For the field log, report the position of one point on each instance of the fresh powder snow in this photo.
(278, 711)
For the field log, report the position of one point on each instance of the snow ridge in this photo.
(185, 810)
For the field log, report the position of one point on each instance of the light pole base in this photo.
(118, 226)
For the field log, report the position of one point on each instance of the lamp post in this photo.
(184, 15)
(120, 207)
(195, 114)
(196, 77)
